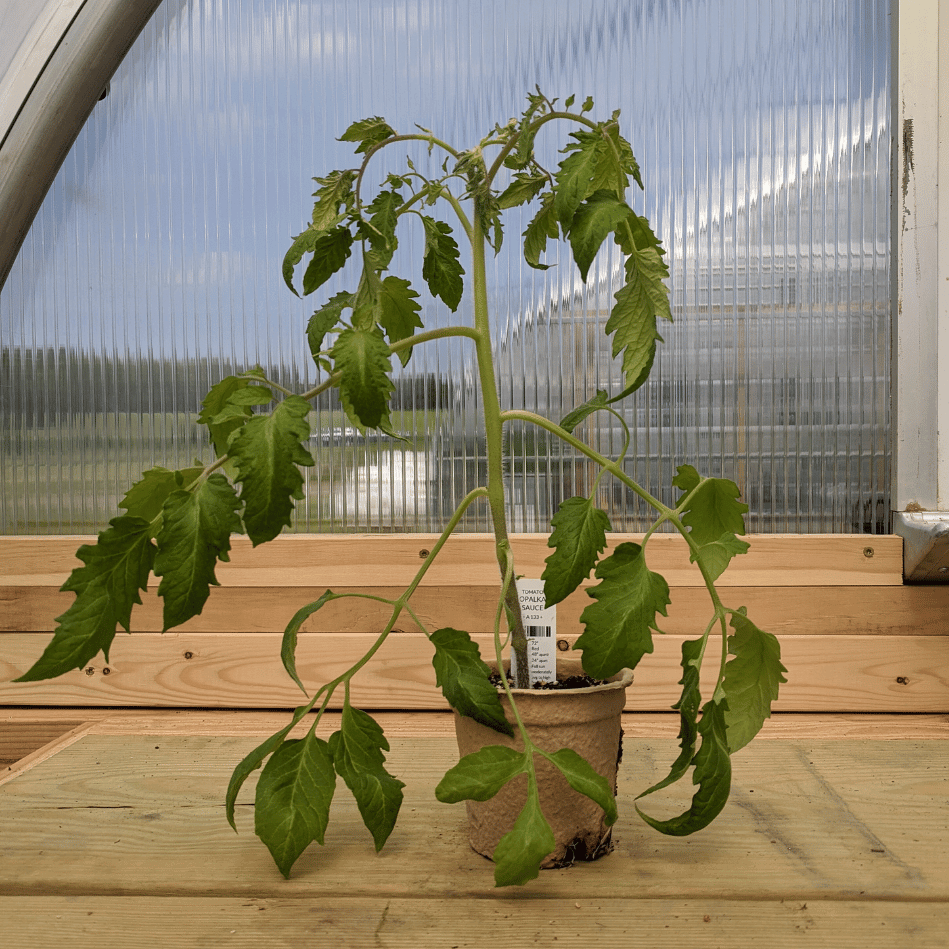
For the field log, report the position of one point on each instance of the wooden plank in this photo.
(817, 611)
(141, 816)
(829, 673)
(393, 559)
(24, 738)
(418, 923)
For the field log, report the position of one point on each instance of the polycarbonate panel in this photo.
(153, 269)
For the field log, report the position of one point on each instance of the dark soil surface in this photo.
(563, 682)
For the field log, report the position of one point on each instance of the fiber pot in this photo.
(588, 720)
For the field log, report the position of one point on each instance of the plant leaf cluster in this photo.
(178, 525)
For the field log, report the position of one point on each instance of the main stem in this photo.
(494, 441)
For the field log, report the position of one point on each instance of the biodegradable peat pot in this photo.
(588, 720)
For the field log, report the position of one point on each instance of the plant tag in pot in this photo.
(540, 624)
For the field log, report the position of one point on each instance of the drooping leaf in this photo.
(522, 189)
(519, 853)
(714, 557)
(462, 675)
(618, 626)
(107, 586)
(441, 266)
(617, 163)
(195, 534)
(714, 509)
(578, 538)
(147, 495)
(582, 777)
(330, 252)
(632, 324)
(325, 320)
(688, 709)
(595, 218)
(334, 194)
(288, 648)
(397, 312)
(573, 418)
(575, 174)
(367, 132)
(543, 226)
(267, 451)
(752, 678)
(222, 415)
(379, 227)
(480, 775)
(294, 793)
(713, 774)
(362, 358)
(253, 760)
(357, 750)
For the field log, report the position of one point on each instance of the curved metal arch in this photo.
(57, 60)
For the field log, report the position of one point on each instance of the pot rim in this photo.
(621, 680)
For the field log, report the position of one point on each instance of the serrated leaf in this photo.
(714, 509)
(578, 537)
(618, 625)
(267, 451)
(686, 478)
(519, 853)
(543, 226)
(325, 320)
(222, 425)
(293, 799)
(582, 777)
(441, 267)
(688, 709)
(713, 773)
(379, 227)
(462, 676)
(367, 132)
(521, 190)
(596, 217)
(361, 356)
(288, 647)
(575, 174)
(107, 586)
(357, 750)
(335, 192)
(252, 761)
(632, 323)
(397, 312)
(480, 775)
(753, 677)
(714, 557)
(195, 534)
(147, 495)
(330, 252)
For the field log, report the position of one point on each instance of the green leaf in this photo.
(222, 423)
(107, 586)
(357, 750)
(575, 174)
(480, 775)
(147, 496)
(325, 320)
(632, 323)
(543, 226)
(522, 189)
(463, 677)
(379, 227)
(294, 794)
(688, 709)
(335, 192)
(288, 648)
(519, 853)
(254, 760)
(362, 358)
(582, 777)
(368, 132)
(441, 267)
(713, 774)
(267, 451)
(715, 556)
(397, 312)
(330, 252)
(752, 678)
(578, 538)
(596, 217)
(714, 509)
(195, 534)
(618, 625)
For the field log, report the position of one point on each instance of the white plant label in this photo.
(540, 624)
